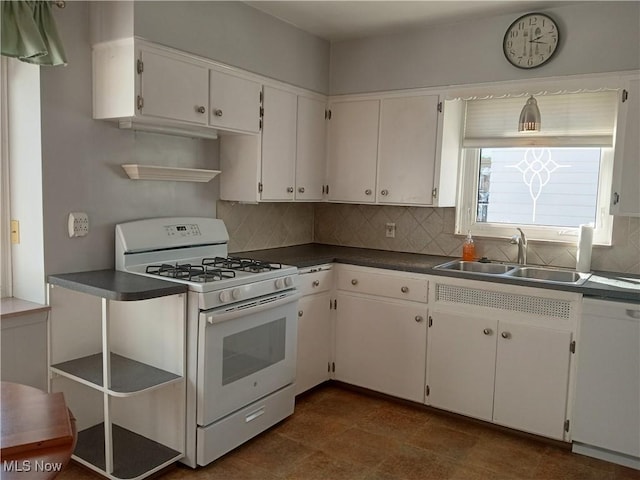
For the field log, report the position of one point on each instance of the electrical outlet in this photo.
(391, 230)
(78, 224)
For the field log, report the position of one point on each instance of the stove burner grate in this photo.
(241, 264)
(192, 273)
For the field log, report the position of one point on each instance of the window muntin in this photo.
(538, 186)
(548, 192)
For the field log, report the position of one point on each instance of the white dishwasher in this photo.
(607, 400)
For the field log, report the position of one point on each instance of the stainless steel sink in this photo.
(550, 275)
(520, 272)
(477, 267)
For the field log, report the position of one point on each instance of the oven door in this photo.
(245, 352)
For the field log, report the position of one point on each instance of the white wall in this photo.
(238, 35)
(229, 32)
(594, 37)
(81, 160)
(81, 157)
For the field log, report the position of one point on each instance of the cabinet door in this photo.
(625, 195)
(532, 378)
(460, 369)
(278, 144)
(173, 88)
(406, 160)
(381, 345)
(353, 151)
(311, 142)
(314, 341)
(234, 102)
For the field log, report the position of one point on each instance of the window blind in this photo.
(569, 119)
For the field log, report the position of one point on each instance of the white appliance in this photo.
(241, 328)
(607, 402)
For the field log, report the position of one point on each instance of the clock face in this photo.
(531, 40)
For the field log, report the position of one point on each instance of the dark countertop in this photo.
(606, 285)
(116, 285)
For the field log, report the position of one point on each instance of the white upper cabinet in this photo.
(310, 149)
(285, 162)
(172, 87)
(625, 194)
(150, 87)
(352, 152)
(278, 144)
(391, 149)
(234, 102)
(407, 152)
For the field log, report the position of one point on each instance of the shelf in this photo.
(176, 174)
(127, 376)
(149, 456)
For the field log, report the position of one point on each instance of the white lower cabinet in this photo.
(462, 357)
(502, 354)
(315, 336)
(381, 342)
(532, 378)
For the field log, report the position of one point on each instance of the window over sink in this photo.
(549, 182)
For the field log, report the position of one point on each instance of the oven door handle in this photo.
(214, 317)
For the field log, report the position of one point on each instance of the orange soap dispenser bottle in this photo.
(468, 249)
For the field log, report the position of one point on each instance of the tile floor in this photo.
(338, 433)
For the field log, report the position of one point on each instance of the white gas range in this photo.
(241, 328)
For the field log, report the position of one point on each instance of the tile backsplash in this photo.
(266, 225)
(430, 231)
(418, 230)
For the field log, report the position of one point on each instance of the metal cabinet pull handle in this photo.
(487, 331)
(300, 313)
(217, 112)
(384, 192)
(367, 191)
(506, 335)
(301, 189)
(316, 283)
(354, 282)
(201, 109)
(289, 189)
(418, 318)
(404, 289)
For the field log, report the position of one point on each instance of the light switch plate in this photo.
(78, 224)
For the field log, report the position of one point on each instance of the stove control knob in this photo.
(280, 283)
(288, 281)
(225, 296)
(236, 293)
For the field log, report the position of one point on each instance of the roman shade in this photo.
(585, 119)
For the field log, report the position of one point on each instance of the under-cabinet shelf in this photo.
(176, 174)
(149, 455)
(128, 377)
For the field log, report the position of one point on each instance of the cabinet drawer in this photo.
(311, 282)
(220, 437)
(391, 285)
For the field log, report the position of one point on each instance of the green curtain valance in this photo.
(29, 33)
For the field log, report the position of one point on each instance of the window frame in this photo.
(466, 212)
(6, 289)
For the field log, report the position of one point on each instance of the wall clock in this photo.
(531, 40)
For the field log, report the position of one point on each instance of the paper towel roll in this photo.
(585, 242)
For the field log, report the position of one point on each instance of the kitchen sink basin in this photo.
(520, 272)
(550, 275)
(477, 267)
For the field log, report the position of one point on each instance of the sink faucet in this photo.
(521, 241)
